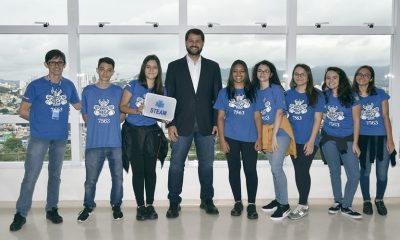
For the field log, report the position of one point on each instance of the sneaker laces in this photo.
(298, 209)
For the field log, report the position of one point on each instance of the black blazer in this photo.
(191, 105)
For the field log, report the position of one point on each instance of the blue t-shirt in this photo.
(48, 115)
(103, 116)
(272, 98)
(239, 115)
(371, 114)
(338, 120)
(301, 115)
(138, 92)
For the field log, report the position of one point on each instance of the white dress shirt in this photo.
(194, 69)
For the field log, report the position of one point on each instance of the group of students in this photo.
(259, 115)
(248, 115)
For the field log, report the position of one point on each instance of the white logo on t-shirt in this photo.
(56, 99)
(103, 109)
(369, 112)
(298, 107)
(239, 102)
(333, 115)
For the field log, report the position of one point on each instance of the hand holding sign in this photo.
(158, 106)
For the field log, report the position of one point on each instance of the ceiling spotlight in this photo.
(369, 24)
(262, 24)
(318, 24)
(155, 24)
(212, 24)
(45, 24)
(102, 24)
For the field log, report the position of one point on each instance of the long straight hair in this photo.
(158, 87)
(344, 92)
(311, 92)
(248, 87)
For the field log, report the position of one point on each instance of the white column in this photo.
(74, 69)
(394, 80)
(291, 38)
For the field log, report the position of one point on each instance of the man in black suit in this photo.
(194, 82)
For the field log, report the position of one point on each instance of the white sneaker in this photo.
(299, 212)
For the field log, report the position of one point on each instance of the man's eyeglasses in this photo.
(53, 63)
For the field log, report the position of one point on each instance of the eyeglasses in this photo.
(299, 75)
(366, 76)
(53, 63)
(266, 72)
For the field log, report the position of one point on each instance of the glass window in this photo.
(226, 48)
(128, 52)
(26, 12)
(21, 61)
(344, 12)
(14, 139)
(236, 12)
(346, 52)
(129, 12)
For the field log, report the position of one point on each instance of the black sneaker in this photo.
(251, 211)
(18, 222)
(53, 216)
(348, 212)
(281, 212)
(117, 213)
(141, 213)
(173, 210)
(367, 208)
(151, 212)
(84, 214)
(270, 206)
(380, 206)
(335, 208)
(237, 209)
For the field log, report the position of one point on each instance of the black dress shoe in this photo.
(173, 210)
(209, 207)
(18, 222)
(237, 209)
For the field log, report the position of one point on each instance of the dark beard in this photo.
(197, 53)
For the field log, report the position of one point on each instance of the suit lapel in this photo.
(203, 70)
(187, 78)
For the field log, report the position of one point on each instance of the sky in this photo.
(22, 56)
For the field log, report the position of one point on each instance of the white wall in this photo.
(73, 177)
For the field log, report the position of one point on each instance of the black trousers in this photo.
(302, 166)
(242, 150)
(144, 147)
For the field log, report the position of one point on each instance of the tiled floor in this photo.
(193, 223)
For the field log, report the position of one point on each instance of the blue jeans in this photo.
(382, 168)
(94, 161)
(36, 152)
(351, 166)
(276, 161)
(205, 156)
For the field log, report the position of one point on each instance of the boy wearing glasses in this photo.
(45, 105)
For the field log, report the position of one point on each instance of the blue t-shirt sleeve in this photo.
(384, 96)
(320, 107)
(279, 98)
(84, 101)
(129, 87)
(219, 104)
(29, 93)
(356, 100)
(74, 94)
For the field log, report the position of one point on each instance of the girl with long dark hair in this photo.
(239, 130)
